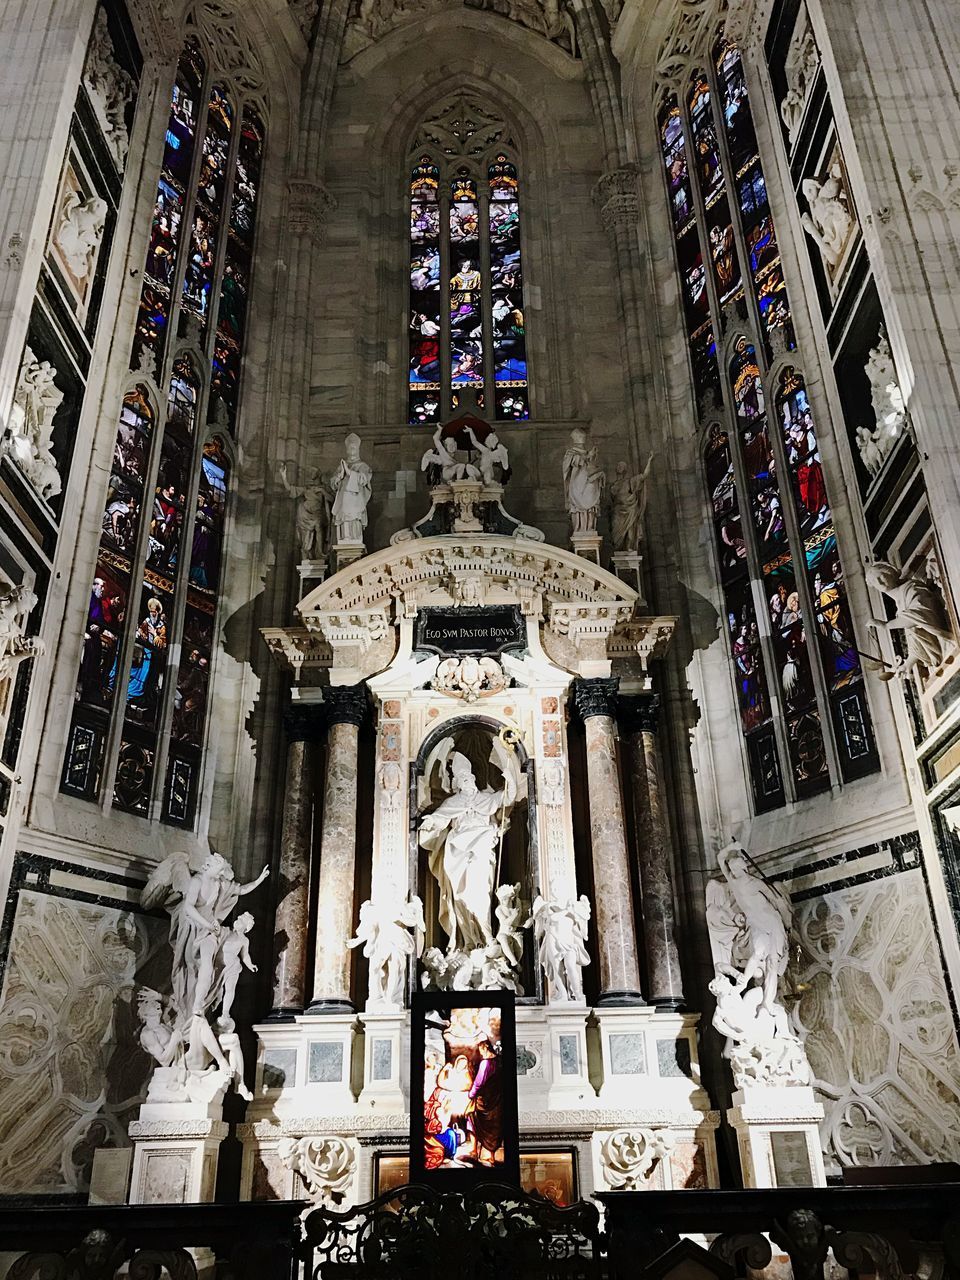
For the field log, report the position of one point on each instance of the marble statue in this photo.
(110, 89)
(313, 513)
(509, 913)
(199, 893)
(390, 782)
(628, 500)
(921, 615)
(583, 483)
(481, 969)
(561, 932)
(79, 231)
(16, 605)
(800, 66)
(464, 836)
(889, 406)
(29, 435)
(469, 678)
(442, 464)
(352, 485)
(494, 461)
(749, 924)
(829, 220)
(870, 448)
(552, 773)
(389, 935)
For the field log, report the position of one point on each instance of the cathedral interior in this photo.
(479, 483)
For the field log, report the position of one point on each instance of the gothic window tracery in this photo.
(141, 699)
(467, 331)
(797, 672)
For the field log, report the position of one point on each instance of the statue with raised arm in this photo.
(313, 513)
(494, 461)
(921, 616)
(583, 483)
(352, 487)
(463, 836)
(628, 500)
(761, 913)
(442, 464)
(389, 935)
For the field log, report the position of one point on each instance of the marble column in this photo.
(346, 707)
(304, 726)
(595, 701)
(638, 716)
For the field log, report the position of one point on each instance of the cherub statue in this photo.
(921, 616)
(442, 464)
(509, 912)
(389, 935)
(493, 456)
(313, 513)
(561, 933)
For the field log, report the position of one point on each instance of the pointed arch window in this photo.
(799, 682)
(142, 694)
(467, 335)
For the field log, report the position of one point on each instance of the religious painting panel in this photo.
(722, 487)
(425, 292)
(506, 281)
(466, 321)
(106, 613)
(150, 652)
(675, 164)
(706, 148)
(463, 1089)
(747, 654)
(204, 234)
(737, 118)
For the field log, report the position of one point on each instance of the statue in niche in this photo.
(583, 483)
(389, 935)
(921, 615)
(464, 838)
(442, 464)
(193, 1062)
(800, 67)
(313, 513)
(628, 498)
(352, 485)
(889, 406)
(749, 923)
(494, 461)
(29, 434)
(110, 87)
(79, 231)
(16, 605)
(829, 221)
(561, 933)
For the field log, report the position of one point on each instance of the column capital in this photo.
(616, 196)
(638, 712)
(307, 208)
(596, 697)
(346, 704)
(304, 722)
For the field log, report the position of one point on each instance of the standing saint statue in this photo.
(351, 483)
(628, 497)
(313, 513)
(583, 482)
(462, 836)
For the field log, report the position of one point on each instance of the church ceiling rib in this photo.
(372, 19)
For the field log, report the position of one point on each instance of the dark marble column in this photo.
(595, 701)
(346, 707)
(639, 716)
(304, 726)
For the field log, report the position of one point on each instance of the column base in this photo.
(320, 1007)
(286, 1013)
(622, 1000)
(671, 1004)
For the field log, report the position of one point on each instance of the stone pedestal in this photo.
(345, 709)
(570, 1086)
(595, 701)
(303, 725)
(627, 565)
(345, 553)
(652, 1049)
(466, 499)
(311, 572)
(386, 1061)
(778, 1136)
(587, 545)
(176, 1147)
(638, 716)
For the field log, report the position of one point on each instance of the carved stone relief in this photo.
(110, 89)
(878, 1030)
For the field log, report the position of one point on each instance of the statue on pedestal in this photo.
(921, 615)
(583, 483)
(313, 513)
(628, 497)
(494, 462)
(193, 1063)
(352, 487)
(749, 922)
(561, 932)
(389, 935)
(442, 464)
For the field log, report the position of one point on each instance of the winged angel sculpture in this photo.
(193, 1061)
(749, 922)
(464, 838)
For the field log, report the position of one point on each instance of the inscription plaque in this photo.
(475, 631)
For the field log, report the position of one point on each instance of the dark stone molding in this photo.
(638, 712)
(596, 697)
(305, 722)
(346, 704)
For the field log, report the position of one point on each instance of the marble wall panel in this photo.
(71, 1071)
(879, 1032)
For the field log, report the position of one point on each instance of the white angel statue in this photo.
(463, 836)
(561, 932)
(749, 922)
(389, 935)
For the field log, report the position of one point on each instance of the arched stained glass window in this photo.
(142, 692)
(799, 683)
(467, 329)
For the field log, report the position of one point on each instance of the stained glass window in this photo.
(467, 328)
(142, 693)
(799, 683)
